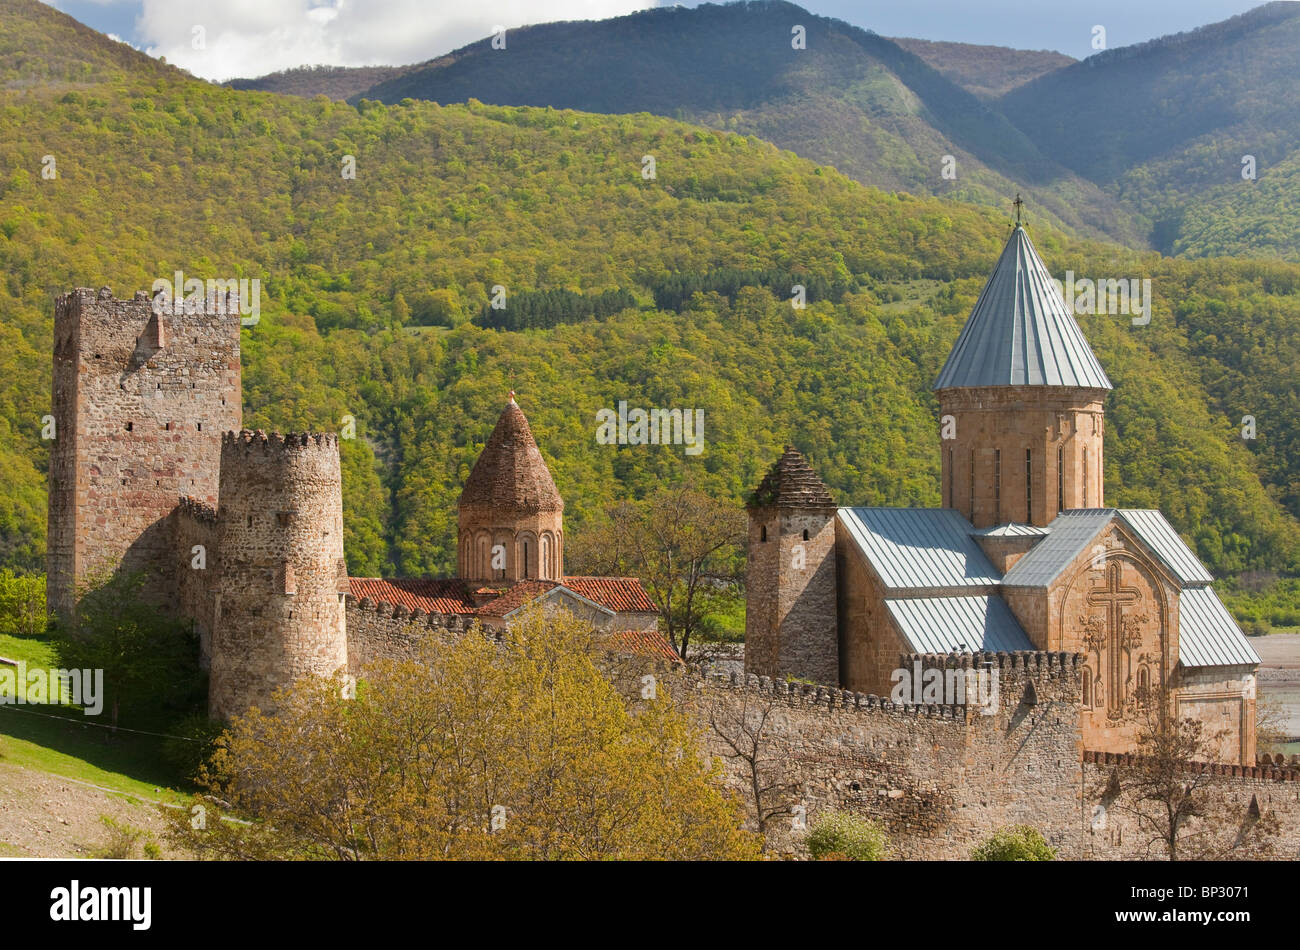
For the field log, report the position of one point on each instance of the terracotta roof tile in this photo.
(447, 596)
(649, 643)
(510, 474)
(515, 597)
(616, 593)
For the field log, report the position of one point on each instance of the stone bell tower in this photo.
(1020, 401)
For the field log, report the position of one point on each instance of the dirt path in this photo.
(48, 816)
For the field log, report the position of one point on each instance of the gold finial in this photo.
(512, 396)
(1018, 203)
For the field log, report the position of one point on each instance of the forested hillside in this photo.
(374, 289)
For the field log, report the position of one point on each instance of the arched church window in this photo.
(762, 533)
(1087, 688)
(1144, 683)
(526, 565)
(805, 534)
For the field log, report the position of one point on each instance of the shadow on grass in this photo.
(137, 757)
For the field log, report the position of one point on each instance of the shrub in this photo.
(838, 836)
(1017, 843)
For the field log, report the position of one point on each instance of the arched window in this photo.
(1144, 683)
(762, 533)
(1087, 688)
(805, 534)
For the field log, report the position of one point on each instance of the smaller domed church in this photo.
(1023, 555)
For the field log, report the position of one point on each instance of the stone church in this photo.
(1024, 555)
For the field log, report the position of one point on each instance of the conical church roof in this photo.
(791, 483)
(510, 474)
(1020, 332)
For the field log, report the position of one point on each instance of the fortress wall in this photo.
(140, 401)
(382, 631)
(941, 778)
(282, 576)
(196, 560)
(1270, 830)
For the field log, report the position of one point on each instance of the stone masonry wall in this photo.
(140, 402)
(940, 778)
(279, 611)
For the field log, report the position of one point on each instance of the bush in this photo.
(22, 603)
(1017, 843)
(193, 742)
(838, 836)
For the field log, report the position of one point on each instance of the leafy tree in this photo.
(22, 603)
(679, 541)
(513, 750)
(150, 661)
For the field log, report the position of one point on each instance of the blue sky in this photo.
(253, 37)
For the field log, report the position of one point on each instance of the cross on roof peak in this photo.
(1019, 203)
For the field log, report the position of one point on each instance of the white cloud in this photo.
(248, 38)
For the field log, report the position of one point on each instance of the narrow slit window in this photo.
(1060, 479)
(1029, 486)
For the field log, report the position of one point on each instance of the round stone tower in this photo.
(279, 611)
(511, 515)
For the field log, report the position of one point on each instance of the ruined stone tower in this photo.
(511, 516)
(139, 403)
(282, 580)
(790, 579)
(1020, 402)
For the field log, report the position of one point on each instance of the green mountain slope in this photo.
(372, 286)
(851, 98)
(1161, 123)
(986, 71)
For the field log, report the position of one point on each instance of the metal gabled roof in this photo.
(966, 624)
(919, 547)
(1207, 634)
(1019, 332)
(1071, 532)
(1011, 529)
(1159, 535)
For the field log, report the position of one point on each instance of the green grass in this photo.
(64, 746)
(61, 740)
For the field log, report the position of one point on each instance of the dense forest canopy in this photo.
(662, 292)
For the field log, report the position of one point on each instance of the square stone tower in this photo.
(141, 400)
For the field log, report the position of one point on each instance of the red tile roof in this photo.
(452, 596)
(616, 593)
(515, 597)
(649, 643)
(448, 596)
